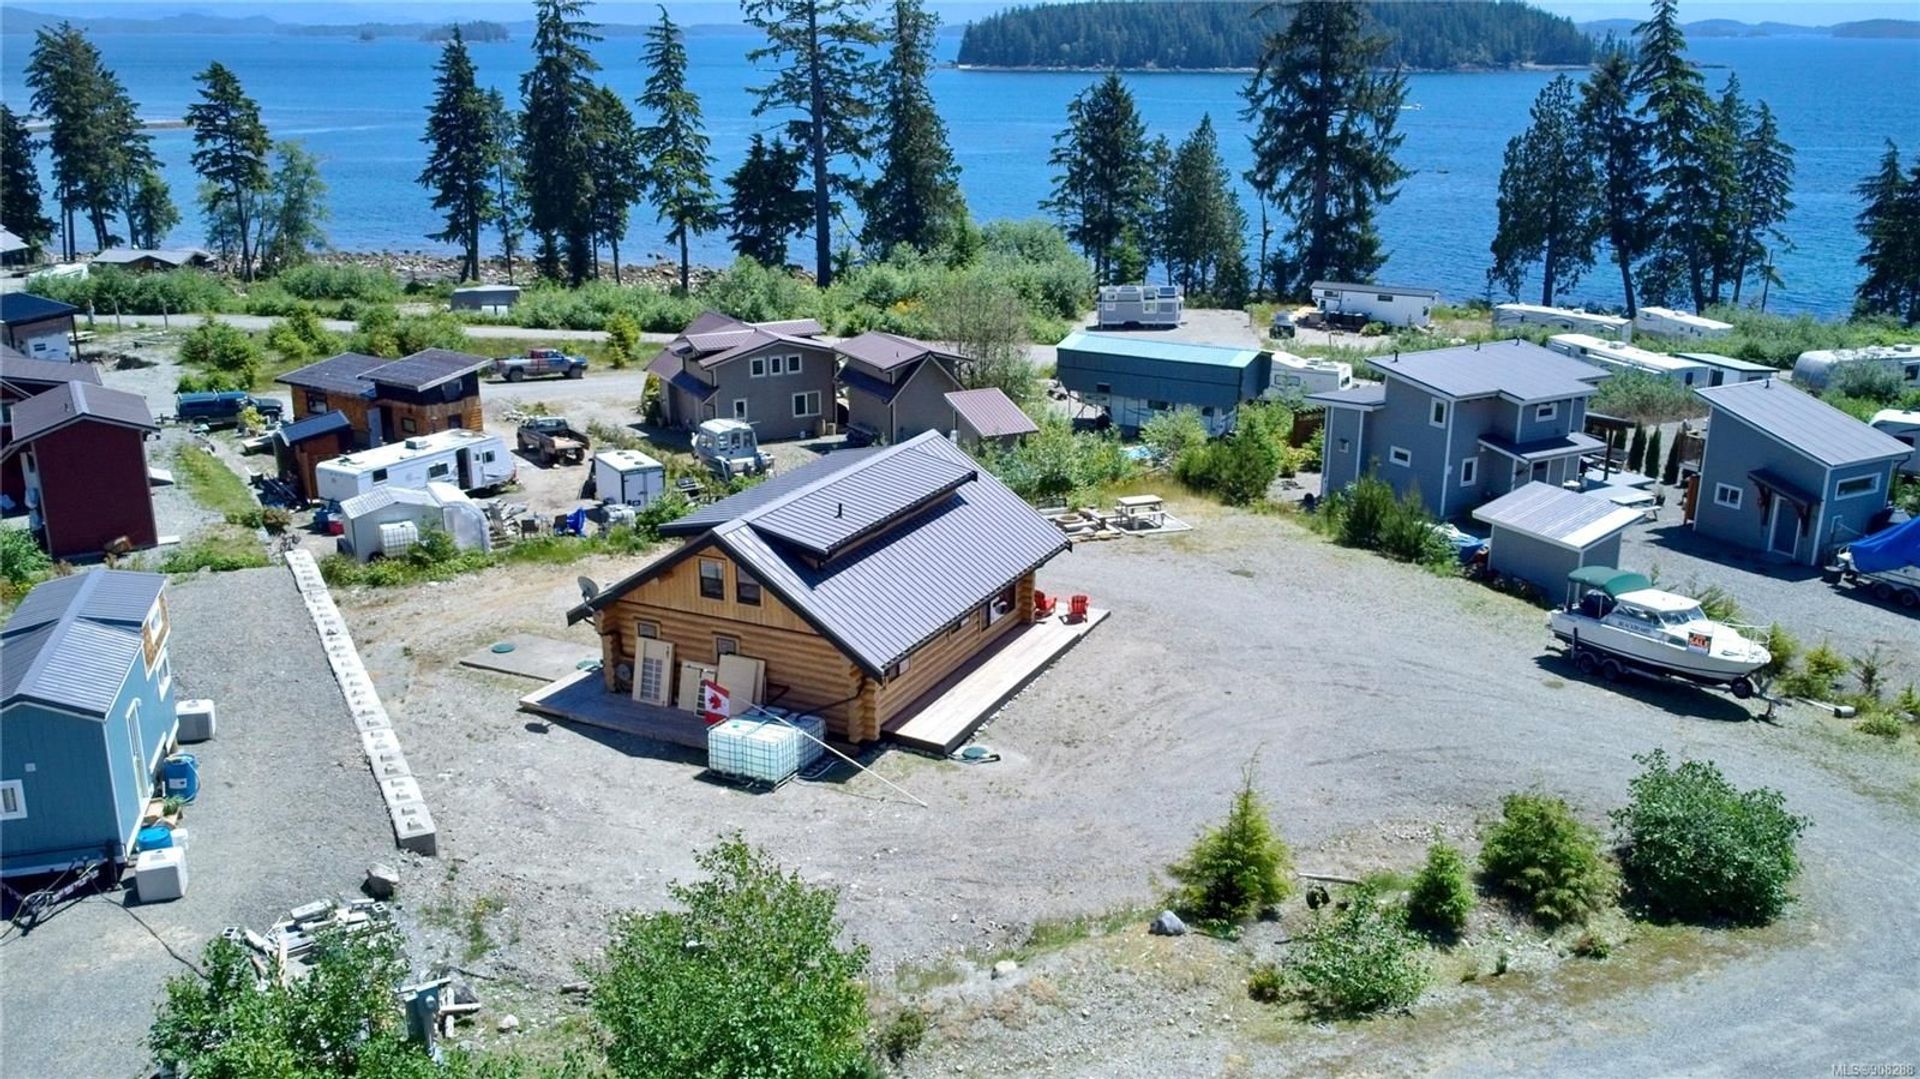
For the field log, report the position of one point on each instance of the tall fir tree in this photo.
(1889, 220)
(678, 174)
(1324, 114)
(1205, 227)
(151, 213)
(22, 203)
(1685, 145)
(507, 216)
(1766, 196)
(1616, 140)
(1732, 117)
(230, 154)
(820, 52)
(292, 209)
(556, 180)
(134, 167)
(768, 202)
(1549, 197)
(915, 201)
(613, 163)
(461, 151)
(86, 113)
(1159, 205)
(1103, 180)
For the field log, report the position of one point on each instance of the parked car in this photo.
(223, 407)
(539, 363)
(552, 438)
(729, 448)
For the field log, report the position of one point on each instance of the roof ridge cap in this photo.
(765, 508)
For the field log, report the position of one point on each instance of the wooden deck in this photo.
(582, 697)
(948, 714)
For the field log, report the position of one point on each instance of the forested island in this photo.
(1213, 34)
(478, 30)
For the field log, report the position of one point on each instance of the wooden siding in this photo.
(94, 488)
(428, 418)
(933, 661)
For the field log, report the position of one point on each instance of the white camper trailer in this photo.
(1812, 370)
(1389, 305)
(387, 520)
(1563, 318)
(1904, 426)
(1729, 370)
(1298, 374)
(1666, 322)
(628, 478)
(1121, 306)
(1619, 355)
(470, 460)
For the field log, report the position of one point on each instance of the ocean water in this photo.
(360, 107)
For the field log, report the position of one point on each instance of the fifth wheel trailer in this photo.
(470, 460)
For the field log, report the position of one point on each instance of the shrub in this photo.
(1880, 723)
(109, 290)
(1696, 848)
(1171, 434)
(1266, 983)
(755, 293)
(745, 976)
(1360, 960)
(1441, 897)
(1546, 860)
(1592, 945)
(1819, 671)
(1782, 647)
(902, 1034)
(1058, 463)
(1362, 511)
(1644, 398)
(1868, 668)
(1236, 870)
(623, 340)
(1907, 703)
(1238, 469)
(22, 562)
(220, 558)
(318, 281)
(220, 349)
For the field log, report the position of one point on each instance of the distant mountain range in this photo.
(1868, 28)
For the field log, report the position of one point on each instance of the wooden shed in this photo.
(84, 464)
(435, 389)
(301, 445)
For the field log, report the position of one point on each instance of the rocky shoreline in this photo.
(435, 268)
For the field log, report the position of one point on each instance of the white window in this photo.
(140, 773)
(1726, 494)
(806, 404)
(13, 800)
(1546, 411)
(1469, 471)
(739, 408)
(1857, 486)
(1401, 457)
(1438, 417)
(776, 364)
(166, 674)
(793, 365)
(757, 367)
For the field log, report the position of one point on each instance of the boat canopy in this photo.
(1614, 582)
(1888, 549)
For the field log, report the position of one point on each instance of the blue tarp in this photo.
(1888, 549)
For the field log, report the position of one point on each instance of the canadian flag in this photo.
(715, 702)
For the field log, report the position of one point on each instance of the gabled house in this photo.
(87, 714)
(38, 327)
(776, 376)
(1788, 474)
(21, 378)
(151, 260)
(83, 458)
(1461, 425)
(896, 387)
(859, 581)
(435, 389)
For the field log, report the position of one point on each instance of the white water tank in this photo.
(160, 875)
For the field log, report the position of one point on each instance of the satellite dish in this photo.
(588, 589)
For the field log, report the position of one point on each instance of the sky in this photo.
(1817, 12)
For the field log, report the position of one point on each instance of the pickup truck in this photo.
(539, 362)
(550, 439)
(223, 407)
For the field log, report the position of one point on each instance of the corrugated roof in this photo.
(1361, 395)
(666, 367)
(1165, 351)
(1803, 422)
(1543, 448)
(1398, 290)
(1558, 516)
(885, 351)
(26, 307)
(426, 368)
(1520, 370)
(70, 402)
(868, 384)
(938, 560)
(766, 491)
(72, 639)
(24, 371)
(824, 519)
(792, 327)
(386, 495)
(313, 427)
(336, 374)
(991, 413)
(714, 338)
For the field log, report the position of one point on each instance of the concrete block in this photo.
(376, 742)
(413, 828)
(390, 765)
(401, 789)
(372, 721)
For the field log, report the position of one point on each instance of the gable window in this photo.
(13, 800)
(1103, 387)
(793, 365)
(1726, 494)
(713, 579)
(1469, 471)
(647, 628)
(1401, 457)
(409, 425)
(725, 646)
(776, 364)
(806, 404)
(1857, 486)
(1438, 415)
(746, 589)
(739, 408)
(1546, 411)
(757, 366)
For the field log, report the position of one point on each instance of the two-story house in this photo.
(435, 389)
(896, 386)
(1462, 425)
(776, 376)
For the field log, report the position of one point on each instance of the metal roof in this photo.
(20, 370)
(990, 412)
(945, 548)
(1541, 449)
(765, 492)
(1516, 369)
(1362, 395)
(313, 426)
(72, 640)
(666, 367)
(336, 374)
(1398, 290)
(1728, 363)
(1140, 348)
(10, 242)
(714, 338)
(70, 402)
(393, 453)
(16, 307)
(1555, 515)
(426, 369)
(1803, 422)
(386, 495)
(868, 384)
(174, 256)
(886, 351)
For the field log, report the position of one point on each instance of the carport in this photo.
(1541, 533)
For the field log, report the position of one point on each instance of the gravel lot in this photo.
(287, 813)
(1241, 641)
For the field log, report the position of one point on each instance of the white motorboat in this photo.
(1616, 621)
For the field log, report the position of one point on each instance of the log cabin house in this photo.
(861, 581)
(435, 389)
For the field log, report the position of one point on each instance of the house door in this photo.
(653, 672)
(1783, 534)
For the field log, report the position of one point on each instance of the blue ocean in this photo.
(360, 107)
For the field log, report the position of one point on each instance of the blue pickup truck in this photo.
(223, 407)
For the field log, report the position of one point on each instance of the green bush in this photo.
(109, 290)
(1880, 723)
(744, 976)
(902, 1034)
(1546, 860)
(383, 331)
(221, 351)
(1591, 945)
(755, 293)
(1782, 648)
(1695, 848)
(1238, 469)
(623, 340)
(22, 562)
(1442, 895)
(1057, 463)
(1644, 398)
(1266, 983)
(1236, 870)
(318, 281)
(1907, 703)
(218, 557)
(1819, 671)
(1360, 960)
(1171, 434)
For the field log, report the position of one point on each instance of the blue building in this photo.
(86, 718)
(1134, 378)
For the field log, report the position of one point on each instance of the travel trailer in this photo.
(1812, 370)
(1389, 305)
(1121, 306)
(1619, 355)
(468, 459)
(1563, 318)
(1666, 322)
(1298, 374)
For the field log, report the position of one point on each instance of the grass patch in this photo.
(210, 483)
(220, 549)
(911, 979)
(1053, 934)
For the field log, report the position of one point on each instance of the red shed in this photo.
(85, 461)
(21, 378)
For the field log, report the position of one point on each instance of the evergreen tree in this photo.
(613, 164)
(230, 154)
(1159, 201)
(1205, 226)
(556, 181)
(1650, 462)
(1617, 141)
(132, 164)
(916, 199)
(1766, 189)
(21, 207)
(1732, 117)
(506, 216)
(1324, 139)
(1637, 449)
(462, 150)
(151, 213)
(1890, 221)
(82, 104)
(819, 50)
(1103, 183)
(1549, 196)
(1670, 475)
(1687, 146)
(294, 205)
(678, 176)
(769, 202)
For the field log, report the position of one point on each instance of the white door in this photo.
(653, 672)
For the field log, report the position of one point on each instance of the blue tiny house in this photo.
(86, 718)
